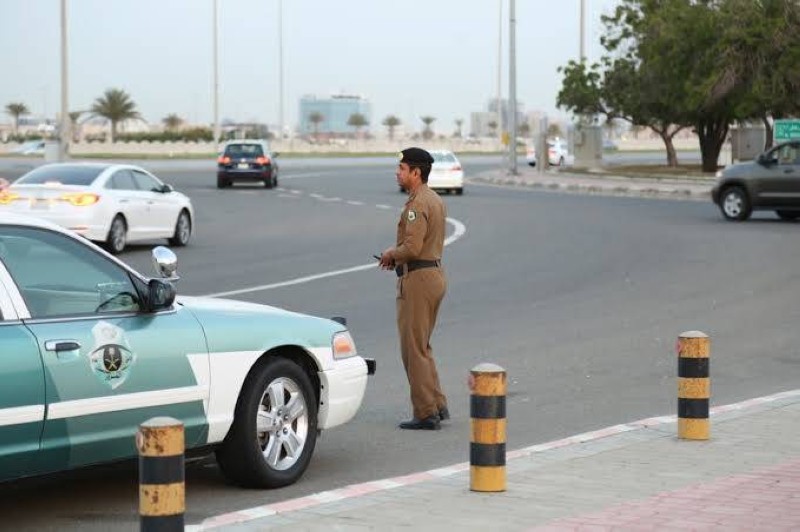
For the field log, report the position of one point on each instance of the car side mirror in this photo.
(165, 263)
(166, 189)
(160, 294)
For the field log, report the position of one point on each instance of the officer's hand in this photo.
(387, 259)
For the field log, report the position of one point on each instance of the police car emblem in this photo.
(412, 216)
(110, 358)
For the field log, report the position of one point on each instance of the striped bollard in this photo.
(162, 498)
(694, 385)
(487, 409)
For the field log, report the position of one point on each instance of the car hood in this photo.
(741, 169)
(240, 326)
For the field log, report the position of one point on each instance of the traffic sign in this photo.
(787, 130)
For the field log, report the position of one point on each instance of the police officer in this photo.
(421, 285)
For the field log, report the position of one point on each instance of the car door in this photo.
(779, 183)
(108, 365)
(161, 206)
(22, 396)
(131, 202)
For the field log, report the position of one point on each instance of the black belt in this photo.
(412, 265)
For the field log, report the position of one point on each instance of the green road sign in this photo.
(787, 130)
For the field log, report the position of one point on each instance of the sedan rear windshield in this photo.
(64, 174)
(443, 157)
(244, 150)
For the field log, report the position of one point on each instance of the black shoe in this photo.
(444, 413)
(429, 423)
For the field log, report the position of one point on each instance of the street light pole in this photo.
(216, 78)
(512, 87)
(500, 72)
(65, 127)
(583, 30)
(280, 69)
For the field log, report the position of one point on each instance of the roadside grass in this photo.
(650, 171)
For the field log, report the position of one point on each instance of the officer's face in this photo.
(404, 174)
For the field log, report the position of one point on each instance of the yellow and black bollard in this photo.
(487, 409)
(694, 385)
(162, 497)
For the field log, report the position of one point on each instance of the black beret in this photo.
(416, 157)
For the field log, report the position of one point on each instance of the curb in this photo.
(606, 187)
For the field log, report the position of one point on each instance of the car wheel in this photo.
(117, 235)
(561, 162)
(274, 429)
(734, 204)
(183, 230)
(788, 215)
(531, 164)
(223, 183)
(269, 182)
(459, 191)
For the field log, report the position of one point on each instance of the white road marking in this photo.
(459, 231)
(382, 206)
(323, 198)
(293, 196)
(355, 203)
(317, 196)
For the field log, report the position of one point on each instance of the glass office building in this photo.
(335, 111)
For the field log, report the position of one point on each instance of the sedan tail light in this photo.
(262, 160)
(81, 199)
(456, 168)
(8, 197)
(224, 160)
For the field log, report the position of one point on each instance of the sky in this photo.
(410, 58)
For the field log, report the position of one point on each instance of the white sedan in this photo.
(557, 153)
(446, 172)
(108, 203)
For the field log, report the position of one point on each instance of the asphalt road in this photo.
(579, 298)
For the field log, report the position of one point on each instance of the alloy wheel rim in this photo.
(733, 205)
(183, 228)
(118, 235)
(282, 424)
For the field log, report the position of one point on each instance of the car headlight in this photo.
(718, 174)
(343, 345)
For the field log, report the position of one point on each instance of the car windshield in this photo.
(244, 150)
(439, 157)
(64, 174)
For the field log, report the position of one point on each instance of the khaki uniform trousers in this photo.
(419, 294)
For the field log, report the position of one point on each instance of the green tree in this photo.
(16, 110)
(391, 122)
(427, 133)
(357, 121)
(316, 118)
(115, 106)
(524, 129)
(554, 130)
(172, 122)
(459, 122)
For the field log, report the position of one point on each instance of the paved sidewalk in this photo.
(600, 183)
(635, 476)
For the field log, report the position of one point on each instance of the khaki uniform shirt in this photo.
(420, 233)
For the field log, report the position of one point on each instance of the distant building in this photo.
(335, 111)
(479, 122)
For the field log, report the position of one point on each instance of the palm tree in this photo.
(391, 122)
(172, 122)
(459, 123)
(73, 123)
(357, 121)
(427, 133)
(16, 109)
(492, 126)
(115, 106)
(316, 118)
(524, 129)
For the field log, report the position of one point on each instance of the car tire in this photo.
(252, 458)
(459, 191)
(561, 162)
(788, 215)
(183, 230)
(269, 182)
(734, 204)
(223, 183)
(117, 237)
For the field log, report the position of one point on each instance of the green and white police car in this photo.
(90, 349)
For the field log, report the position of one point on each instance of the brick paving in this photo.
(635, 476)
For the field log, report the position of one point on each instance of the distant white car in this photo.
(34, 147)
(557, 153)
(446, 172)
(108, 203)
